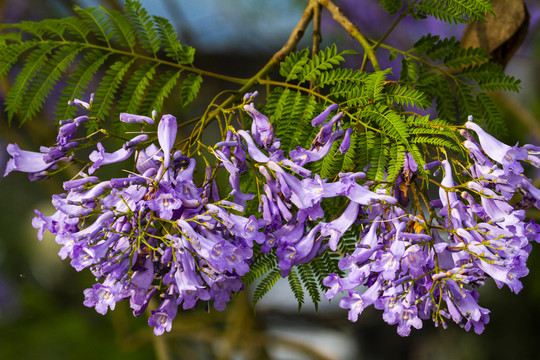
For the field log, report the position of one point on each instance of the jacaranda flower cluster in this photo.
(157, 236)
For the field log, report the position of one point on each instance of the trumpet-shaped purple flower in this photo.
(167, 128)
(161, 319)
(29, 162)
(99, 157)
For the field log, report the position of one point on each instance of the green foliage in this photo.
(266, 285)
(454, 11)
(296, 288)
(308, 275)
(456, 79)
(291, 112)
(392, 6)
(137, 58)
(190, 88)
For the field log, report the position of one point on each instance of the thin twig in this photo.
(289, 46)
(317, 37)
(352, 30)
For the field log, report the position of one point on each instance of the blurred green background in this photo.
(41, 310)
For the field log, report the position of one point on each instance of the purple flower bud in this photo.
(344, 147)
(261, 129)
(135, 141)
(167, 128)
(319, 119)
(133, 119)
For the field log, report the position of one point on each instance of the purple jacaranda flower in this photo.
(319, 119)
(148, 158)
(261, 129)
(167, 128)
(100, 157)
(253, 150)
(135, 141)
(186, 277)
(406, 315)
(140, 299)
(132, 119)
(289, 233)
(346, 144)
(161, 319)
(84, 255)
(29, 162)
(302, 156)
(339, 226)
(499, 151)
(165, 201)
(104, 296)
(83, 104)
(221, 287)
(91, 231)
(360, 194)
(447, 196)
(357, 302)
(531, 191)
(250, 96)
(337, 284)
(388, 264)
(325, 133)
(143, 276)
(302, 251)
(78, 184)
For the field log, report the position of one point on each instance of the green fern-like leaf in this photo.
(78, 82)
(325, 60)
(262, 265)
(490, 77)
(391, 6)
(407, 97)
(10, 54)
(120, 29)
(492, 115)
(391, 122)
(161, 90)
(296, 288)
(339, 77)
(98, 22)
(266, 285)
(293, 64)
(378, 159)
(435, 141)
(310, 282)
(331, 164)
(46, 78)
(190, 88)
(96, 43)
(34, 62)
(291, 114)
(170, 43)
(135, 88)
(143, 25)
(374, 84)
(455, 11)
(397, 156)
(350, 160)
(466, 57)
(109, 86)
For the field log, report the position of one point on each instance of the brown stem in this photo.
(317, 37)
(289, 46)
(352, 30)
